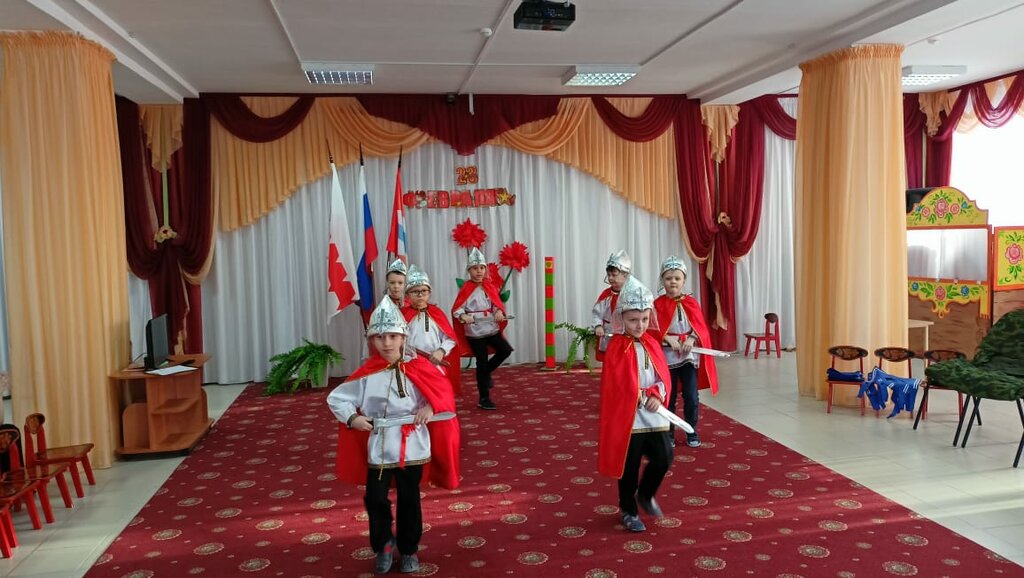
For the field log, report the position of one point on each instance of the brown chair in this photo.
(35, 446)
(896, 355)
(770, 335)
(934, 356)
(846, 353)
(38, 474)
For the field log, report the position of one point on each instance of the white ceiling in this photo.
(716, 50)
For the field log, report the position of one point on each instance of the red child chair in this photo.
(35, 473)
(770, 335)
(35, 446)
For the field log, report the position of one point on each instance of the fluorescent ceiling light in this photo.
(918, 75)
(599, 75)
(338, 73)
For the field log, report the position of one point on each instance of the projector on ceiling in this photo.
(544, 15)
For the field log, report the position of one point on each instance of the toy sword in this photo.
(383, 422)
(431, 359)
(674, 419)
(711, 352)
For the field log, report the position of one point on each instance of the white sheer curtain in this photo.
(266, 290)
(140, 310)
(764, 277)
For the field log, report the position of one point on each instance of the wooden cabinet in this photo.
(162, 413)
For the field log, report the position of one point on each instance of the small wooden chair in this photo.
(770, 335)
(17, 492)
(934, 356)
(8, 539)
(35, 446)
(846, 353)
(896, 355)
(34, 473)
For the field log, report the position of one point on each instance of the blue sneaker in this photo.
(633, 523)
(385, 558)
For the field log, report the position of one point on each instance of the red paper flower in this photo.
(493, 273)
(515, 255)
(468, 234)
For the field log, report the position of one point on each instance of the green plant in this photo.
(581, 336)
(306, 364)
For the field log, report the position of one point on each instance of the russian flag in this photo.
(364, 271)
(341, 290)
(396, 247)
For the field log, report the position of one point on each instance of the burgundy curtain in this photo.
(740, 192)
(773, 115)
(913, 139)
(450, 121)
(656, 118)
(162, 264)
(232, 112)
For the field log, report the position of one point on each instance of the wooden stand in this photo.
(162, 413)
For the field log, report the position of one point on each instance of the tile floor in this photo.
(972, 491)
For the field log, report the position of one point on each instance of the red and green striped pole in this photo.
(549, 313)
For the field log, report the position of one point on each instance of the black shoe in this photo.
(693, 440)
(649, 506)
(486, 403)
(385, 558)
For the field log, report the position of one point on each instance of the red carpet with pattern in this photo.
(259, 496)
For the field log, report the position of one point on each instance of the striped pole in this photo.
(549, 313)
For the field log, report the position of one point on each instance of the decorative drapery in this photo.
(849, 221)
(233, 114)
(251, 179)
(162, 124)
(63, 210)
(173, 256)
(719, 119)
(449, 119)
(774, 116)
(947, 111)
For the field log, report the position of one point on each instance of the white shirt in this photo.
(601, 316)
(646, 421)
(479, 305)
(424, 335)
(379, 395)
(680, 327)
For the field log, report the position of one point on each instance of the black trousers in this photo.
(684, 380)
(378, 507)
(485, 367)
(656, 446)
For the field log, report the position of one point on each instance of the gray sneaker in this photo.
(410, 563)
(385, 558)
(693, 441)
(633, 523)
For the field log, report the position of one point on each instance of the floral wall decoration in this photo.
(946, 206)
(941, 294)
(1009, 258)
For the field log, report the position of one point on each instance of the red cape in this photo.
(464, 292)
(443, 468)
(664, 309)
(453, 371)
(620, 393)
(599, 355)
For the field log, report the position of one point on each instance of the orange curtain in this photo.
(851, 248)
(162, 125)
(719, 119)
(64, 211)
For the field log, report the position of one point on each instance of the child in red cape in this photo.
(681, 327)
(616, 271)
(634, 386)
(430, 332)
(479, 319)
(391, 386)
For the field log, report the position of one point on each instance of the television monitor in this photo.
(156, 342)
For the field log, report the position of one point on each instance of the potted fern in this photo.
(306, 365)
(579, 337)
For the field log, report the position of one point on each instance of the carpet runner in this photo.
(259, 496)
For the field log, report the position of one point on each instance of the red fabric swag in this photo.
(657, 117)
(452, 123)
(232, 112)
